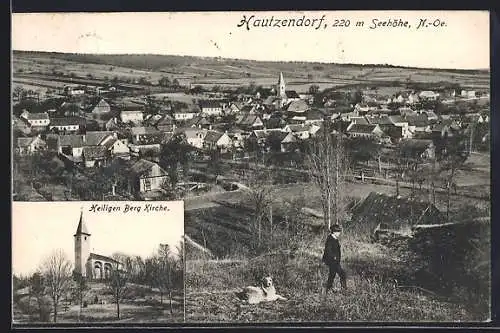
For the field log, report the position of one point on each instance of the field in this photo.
(209, 72)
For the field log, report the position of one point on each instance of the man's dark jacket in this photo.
(332, 252)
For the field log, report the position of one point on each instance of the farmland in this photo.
(228, 73)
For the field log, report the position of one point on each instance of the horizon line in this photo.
(247, 59)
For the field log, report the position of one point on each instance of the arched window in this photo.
(98, 270)
(107, 271)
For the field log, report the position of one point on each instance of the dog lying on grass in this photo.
(265, 293)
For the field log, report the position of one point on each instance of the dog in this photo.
(265, 293)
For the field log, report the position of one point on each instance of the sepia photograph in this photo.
(334, 166)
(98, 262)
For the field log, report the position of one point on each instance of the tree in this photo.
(164, 81)
(80, 288)
(259, 197)
(162, 275)
(313, 89)
(117, 285)
(57, 272)
(327, 164)
(452, 160)
(37, 290)
(357, 97)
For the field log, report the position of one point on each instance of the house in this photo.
(199, 122)
(146, 176)
(73, 90)
(418, 123)
(399, 121)
(274, 122)
(237, 140)
(297, 106)
(468, 94)
(165, 124)
(134, 117)
(428, 95)
(291, 96)
(379, 120)
(94, 156)
(259, 137)
(362, 107)
(314, 116)
(249, 121)
(394, 132)
(286, 140)
(113, 124)
(95, 138)
(117, 148)
(360, 120)
(233, 108)
(71, 109)
(441, 130)
(365, 131)
(71, 145)
(195, 137)
(38, 119)
(214, 140)
(210, 107)
(272, 102)
(185, 113)
(431, 115)
(146, 135)
(67, 124)
(100, 108)
(29, 146)
(301, 131)
(405, 111)
(413, 98)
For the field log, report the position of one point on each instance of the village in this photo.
(119, 144)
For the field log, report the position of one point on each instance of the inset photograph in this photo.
(98, 262)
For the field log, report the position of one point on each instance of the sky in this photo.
(39, 228)
(463, 43)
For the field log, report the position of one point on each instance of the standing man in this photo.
(331, 257)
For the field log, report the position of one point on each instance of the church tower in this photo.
(281, 86)
(82, 246)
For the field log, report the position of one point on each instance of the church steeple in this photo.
(82, 246)
(82, 228)
(281, 86)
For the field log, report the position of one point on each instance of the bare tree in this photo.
(37, 290)
(57, 271)
(453, 159)
(259, 195)
(327, 164)
(117, 284)
(80, 288)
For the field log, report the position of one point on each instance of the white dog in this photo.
(265, 293)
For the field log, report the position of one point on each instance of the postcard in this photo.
(333, 166)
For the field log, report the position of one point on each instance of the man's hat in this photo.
(335, 228)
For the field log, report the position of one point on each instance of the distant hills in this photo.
(157, 62)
